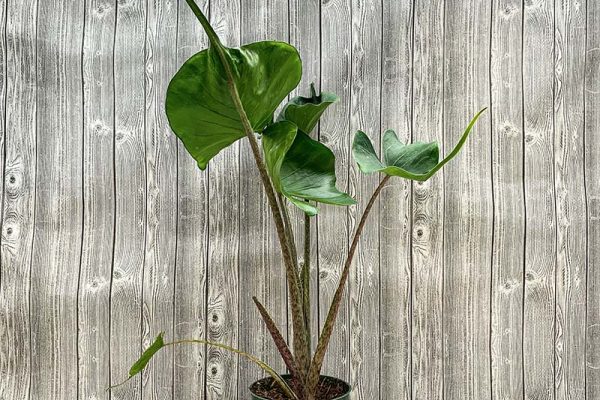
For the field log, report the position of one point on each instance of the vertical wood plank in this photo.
(336, 76)
(509, 211)
(19, 129)
(161, 187)
(428, 204)
(130, 195)
(305, 32)
(58, 203)
(592, 182)
(395, 220)
(569, 59)
(364, 277)
(261, 271)
(540, 229)
(192, 238)
(98, 200)
(468, 203)
(224, 230)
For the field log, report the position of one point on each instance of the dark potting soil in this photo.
(328, 389)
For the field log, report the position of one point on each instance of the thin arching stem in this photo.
(317, 362)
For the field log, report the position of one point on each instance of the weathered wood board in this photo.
(483, 282)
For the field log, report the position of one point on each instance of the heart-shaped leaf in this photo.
(306, 111)
(417, 161)
(302, 169)
(199, 105)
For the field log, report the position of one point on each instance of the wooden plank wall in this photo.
(483, 282)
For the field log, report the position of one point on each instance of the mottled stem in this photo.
(317, 362)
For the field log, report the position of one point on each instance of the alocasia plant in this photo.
(221, 95)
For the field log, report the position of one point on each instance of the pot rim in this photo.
(346, 393)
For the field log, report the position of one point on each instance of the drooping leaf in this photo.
(141, 363)
(301, 168)
(417, 161)
(199, 105)
(306, 111)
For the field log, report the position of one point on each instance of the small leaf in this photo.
(141, 363)
(301, 168)
(417, 161)
(306, 111)
(199, 104)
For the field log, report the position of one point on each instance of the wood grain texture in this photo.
(592, 185)
(540, 229)
(395, 219)
(58, 200)
(482, 282)
(468, 203)
(569, 61)
(161, 188)
(130, 195)
(363, 284)
(428, 204)
(98, 200)
(261, 271)
(192, 240)
(223, 240)
(336, 77)
(19, 128)
(509, 203)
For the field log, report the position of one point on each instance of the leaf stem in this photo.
(317, 362)
(212, 35)
(282, 347)
(305, 278)
(299, 333)
(268, 369)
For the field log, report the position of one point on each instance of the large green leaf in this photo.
(417, 161)
(302, 169)
(306, 111)
(199, 105)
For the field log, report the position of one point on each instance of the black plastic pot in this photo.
(345, 396)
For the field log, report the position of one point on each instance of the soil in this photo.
(328, 389)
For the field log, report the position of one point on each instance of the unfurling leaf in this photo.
(306, 111)
(141, 363)
(199, 105)
(417, 161)
(301, 168)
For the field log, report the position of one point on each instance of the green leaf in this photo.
(417, 161)
(141, 363)
(306, 111)
(199, 105)
(301, 168)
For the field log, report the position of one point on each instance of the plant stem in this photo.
(317, 362)
(276, 377)
(299, 333)
(282, 347)
(305, 278)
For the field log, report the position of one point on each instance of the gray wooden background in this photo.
(483, 282)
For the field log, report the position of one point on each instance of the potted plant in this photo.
(221, 95)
